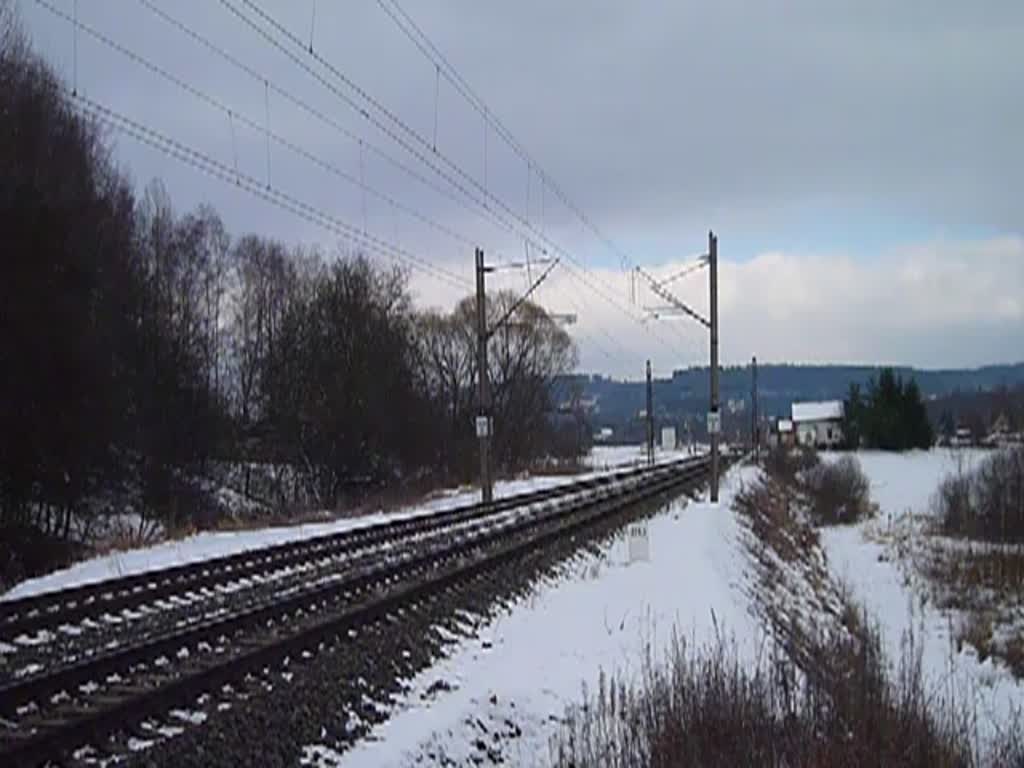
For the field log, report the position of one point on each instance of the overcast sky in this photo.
(861, 162)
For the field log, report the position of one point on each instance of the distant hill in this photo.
(683, 398)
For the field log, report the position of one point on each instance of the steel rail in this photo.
(370, 594)
(49, 610)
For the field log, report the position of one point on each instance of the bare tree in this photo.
(447, 369)
(526, 353)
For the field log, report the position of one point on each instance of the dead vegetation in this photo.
(828, 492)
(822, 694)
(986, 503)
(839, 492)
(707, 708)
(974, 562)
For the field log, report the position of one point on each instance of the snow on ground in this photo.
(903, 485)
(211, 544)
(609, 456)
(902, 482)
(519, 675)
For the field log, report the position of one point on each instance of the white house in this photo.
(819, 424)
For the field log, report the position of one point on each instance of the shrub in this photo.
(987, 503)
(710, 709)
(839, 492)
(785, 463)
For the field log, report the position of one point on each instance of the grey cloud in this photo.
(658, 118)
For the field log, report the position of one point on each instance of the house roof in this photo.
(825, 410)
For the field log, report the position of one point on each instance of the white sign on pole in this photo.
(714, 422)
(483, 426)
(639, 543)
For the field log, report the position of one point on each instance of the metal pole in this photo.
(713, 266)
(483, 424)
(755, 432)
(650, 416)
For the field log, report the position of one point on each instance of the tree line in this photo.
(889, 415)
(140, 346)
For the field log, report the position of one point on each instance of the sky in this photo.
(861, 163)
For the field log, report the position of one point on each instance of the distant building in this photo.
(1001, 435)
(819, 424)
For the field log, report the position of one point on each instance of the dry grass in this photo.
(1012, 652)
(823, 696)
(831, 493)
(769, 507)
(981, 571)
(786, 464)
(711, 708)
(986, 584)
(987, 502)
(977, 631)
(839, 492)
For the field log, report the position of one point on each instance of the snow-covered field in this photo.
(210, 544)
(526, 667)
(863, 556)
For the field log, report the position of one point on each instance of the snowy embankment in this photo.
(211, 544)
(503, 695)
(866, 558)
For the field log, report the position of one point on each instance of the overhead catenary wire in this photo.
(329, 122)
(234, 143)
(185, 153)
(326, 120)
(398, 130)
(74, 52)
(583, 276)
(422, 41)
(312, 26)
(487, 211)
(407, 141)
(404, 21)
(255, 125)
(411, 137)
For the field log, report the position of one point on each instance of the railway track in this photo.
(49, 611)
(47, 716)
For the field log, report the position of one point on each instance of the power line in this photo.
(581, 277)
(191, 156)
(419, 38)
(256, 126)
(392, 133)
(408, 144)
(279, 91)
(253, 124)
(487, 209)
(319, 115)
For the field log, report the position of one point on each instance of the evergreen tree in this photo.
(894, 417)
(853, 417)
(946, 424)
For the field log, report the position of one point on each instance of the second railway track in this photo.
(50, 714)
(51, 610)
